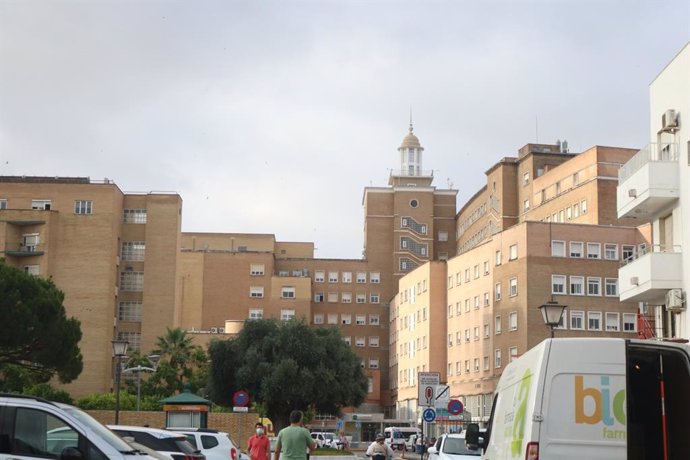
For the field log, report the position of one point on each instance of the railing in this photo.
(652, 152)
(655, 248)
(24, 249)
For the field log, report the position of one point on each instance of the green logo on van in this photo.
(518, 431)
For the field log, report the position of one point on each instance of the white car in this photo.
(166, 442)
(452, 447)
(214, 444)
(326, 439)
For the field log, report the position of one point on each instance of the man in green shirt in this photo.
(294, 441)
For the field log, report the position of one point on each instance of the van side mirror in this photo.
(472, 438)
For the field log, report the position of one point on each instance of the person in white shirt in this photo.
(379, 450)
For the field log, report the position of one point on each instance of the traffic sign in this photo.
(240, 398)
(240, 409)
(455, 407)
(441, 396)
(426, 384)
(429, 415)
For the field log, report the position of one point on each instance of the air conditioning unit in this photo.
(214, 330)
(632, 193)
(669, 120)
(221, 330)
(634, 280)
(675, 301)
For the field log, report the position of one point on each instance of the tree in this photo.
(36, 336)
(285, 366)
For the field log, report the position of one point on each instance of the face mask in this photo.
(259, 431)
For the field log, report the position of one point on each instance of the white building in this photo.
(654, 187)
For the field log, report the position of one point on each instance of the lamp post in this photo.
(153, 359)
(119, 350)
(552, 312)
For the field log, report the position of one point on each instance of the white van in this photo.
(593, 399)
(398, 437)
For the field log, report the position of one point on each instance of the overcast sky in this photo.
(272, 116)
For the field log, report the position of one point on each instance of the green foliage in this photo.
(46, 391)
(39, 338)
(106, 401)
(285, 366)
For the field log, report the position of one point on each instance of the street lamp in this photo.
(153, 359)
(119, 350)
(552, 312)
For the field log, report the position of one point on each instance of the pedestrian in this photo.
(344, 444)
(379, 450)
(294, 441)
(258, 446)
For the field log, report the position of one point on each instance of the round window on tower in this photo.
(414, 203)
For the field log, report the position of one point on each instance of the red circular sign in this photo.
(240, 398)
(455, 407)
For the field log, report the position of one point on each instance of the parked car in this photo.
(32, 427)
(452, 447)
(163, 441)
(326, 439)
(214, 444)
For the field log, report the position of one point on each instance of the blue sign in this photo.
(429, 415)
(455, 407)
(240, 398)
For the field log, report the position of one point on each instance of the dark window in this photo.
(209, 442)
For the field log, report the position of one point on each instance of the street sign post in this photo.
(426, 384)
(429, 415)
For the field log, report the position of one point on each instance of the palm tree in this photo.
(180, 359)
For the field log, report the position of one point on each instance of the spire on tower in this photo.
(411, 127)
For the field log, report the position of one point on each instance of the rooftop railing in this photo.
(652, 152)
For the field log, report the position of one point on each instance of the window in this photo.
(476, 364)
(375, 277)
(332, 277)
(133, 250)
(497, 257)
(360, 320)
(347, 277)
(576, 249)
(256, 292)
(132, 281)
(569, 213)
(40, 434)
(577, 320)
(467, 305)
(561, 216)
(129, 311)
(256, 269)
(287, 292)
(373, 363)
(458, 367)
(346, 319)
(593, 286)
(374, 320)
(513, 321)
(360, 342)
(611, 251)
(346, 297)
(450, 368)
(497, 325)
(612, 322)
(332, 318)
(134, 339)
(467, 275)
(134, 216)
(583, 206)
(458, 308)
(3, 204)
(361, 298)
(558, 188)
(486, 299)
(628, 252)
(525, 178)
(497, 358)
(513, 287)
(557, 284)
(512, 351)
(348, 340)
(467, 335)
(486, 267)
(318, 318)
(593, 250)
(450, 311)
(476, 271)
(82, 207)
(450, 282)
(458, 338)
(33, 270)
(476, 302)
(443, 236)
(318, 297)
(525, 205)
(557, 248)
(629, 322)
(374, 341)
(513, 252)
(497, 291)
(319, 276)
(361, 277)
(487, 331)
(450, 340)
(373, 298)
(476, 333)
(332, 297)
(42, 205)
(577, 285)
(256, 313)
(563, 323)
(286, 314)
(467, 366)
(611, 286)
(594, 320)
(576, 210)
(486, 363)
(283, 273)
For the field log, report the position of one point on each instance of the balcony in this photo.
(21, 250)
(647, 277)
(649, 182)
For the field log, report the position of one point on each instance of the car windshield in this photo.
(456, 446)
(108, 436)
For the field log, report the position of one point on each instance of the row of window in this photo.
(131, 216)
(346, 319)
(361, 342)
(346, 277)
(484, 269)
(133, 250)
(410, 321)
(457, 338)
(577, 285)
(286, 314)
(578, 320)
(579, 249)
(346, 297)
(569, 213)
(473, 365)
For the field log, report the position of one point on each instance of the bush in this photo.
(106, 401)
(45, 391)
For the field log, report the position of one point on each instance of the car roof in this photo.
(157, 432)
